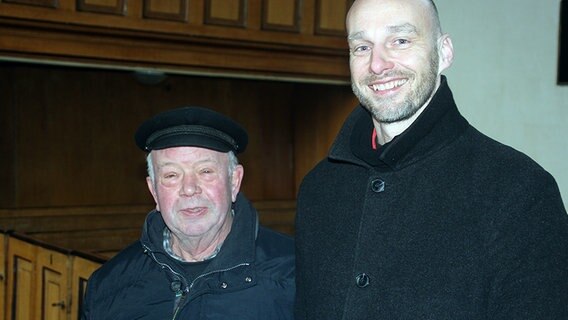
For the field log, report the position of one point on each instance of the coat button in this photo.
(362, 280)
(175, 285)
(378, 185)
(224, 285)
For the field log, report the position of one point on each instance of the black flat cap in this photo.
(194, 127)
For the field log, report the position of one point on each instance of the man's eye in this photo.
(402, 41)
(170, 176)
(362, 48)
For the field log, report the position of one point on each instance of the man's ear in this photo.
(445, 53)
(150, 184)
(236, 180)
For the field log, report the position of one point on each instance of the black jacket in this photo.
(252, 277)
(441, 223)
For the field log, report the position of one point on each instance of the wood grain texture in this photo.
(255, 37)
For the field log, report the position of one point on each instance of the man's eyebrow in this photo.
(403, 28)
(355, 36)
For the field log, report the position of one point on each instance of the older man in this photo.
(202, 253)
(415, 214)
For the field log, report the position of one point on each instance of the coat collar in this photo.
(439, 125)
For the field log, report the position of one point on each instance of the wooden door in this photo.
(52, 278)
(21, 283)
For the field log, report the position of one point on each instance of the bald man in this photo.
(414, 214)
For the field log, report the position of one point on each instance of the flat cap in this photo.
(191, 126)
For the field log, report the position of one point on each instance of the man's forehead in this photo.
(405, 28)
(387, 11)
(189, 154)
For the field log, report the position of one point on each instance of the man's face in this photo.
(394, 58)
(193, 190)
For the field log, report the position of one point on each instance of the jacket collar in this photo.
(439, 125)
(238, 247)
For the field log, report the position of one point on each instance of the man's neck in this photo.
(200, 249)
(387, 131)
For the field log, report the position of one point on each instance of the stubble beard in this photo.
(387, 110)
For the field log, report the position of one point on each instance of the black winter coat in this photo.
(252, 277)
(441, 223)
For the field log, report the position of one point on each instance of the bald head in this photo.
(374, 7)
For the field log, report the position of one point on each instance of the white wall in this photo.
(504, 76)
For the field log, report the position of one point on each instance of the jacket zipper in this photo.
(180, 297)
(182, 294)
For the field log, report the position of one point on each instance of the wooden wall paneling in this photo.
(281, 15)
(78, 151)
(307, 23)
(330, 17)
(254, 16)
(195, 13)
(182, 56)
(7, 140)
(3, 275)
(98, 230)
(263, 108)
(226, 12)
(141, 34)
(22, 281)
(277, 215)
(41, 3)
(317, 121)
(80, 272)
(101, 242)
(175, 10)
(53, 277)
(117, 7)
(36, 222)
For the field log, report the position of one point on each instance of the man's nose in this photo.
(190, 185)
(380, 61)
